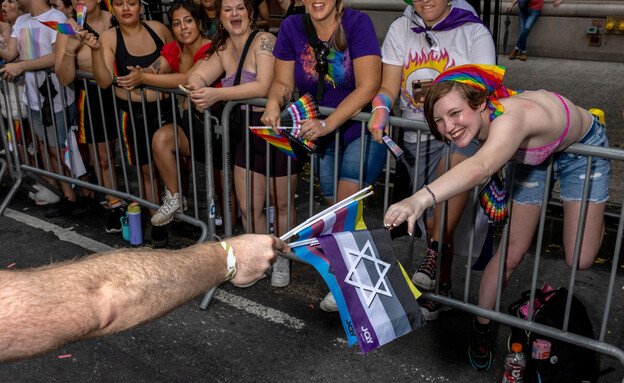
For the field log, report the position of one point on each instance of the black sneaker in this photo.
(62, 208)
(430, 309)
(159, 235)
(85, 206)
(114, 220)
(479, 351)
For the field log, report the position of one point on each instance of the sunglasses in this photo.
(321, 51)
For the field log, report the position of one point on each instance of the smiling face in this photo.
(235, 17)
(321, 9)
(127, 12)
(184, 26)
(456, 120)
(432, 11)
(9, 11)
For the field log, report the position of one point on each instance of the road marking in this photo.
(262, 311)
(241, 303)
(64, 234)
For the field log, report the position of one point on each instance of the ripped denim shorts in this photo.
(569, 169)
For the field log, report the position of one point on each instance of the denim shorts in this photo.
(349, 164)
(59, 117)
(569, 169)
(431, 153)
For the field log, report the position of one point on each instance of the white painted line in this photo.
(264, 312)
(64, 234)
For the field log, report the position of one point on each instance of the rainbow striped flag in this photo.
(348, 218)
(64, 28)
(377, 291)
(81, 10)
(280, 141)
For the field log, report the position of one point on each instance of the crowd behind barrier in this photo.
(25, 161)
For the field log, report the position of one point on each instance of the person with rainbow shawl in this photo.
(526, 128)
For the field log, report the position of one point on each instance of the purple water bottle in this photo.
(134, 221)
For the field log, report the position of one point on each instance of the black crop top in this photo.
(123, 59)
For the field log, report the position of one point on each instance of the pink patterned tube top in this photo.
(536, 156)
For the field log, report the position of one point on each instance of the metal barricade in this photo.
(32, 165)
(599, 345)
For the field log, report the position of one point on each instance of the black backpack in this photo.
(567, 362)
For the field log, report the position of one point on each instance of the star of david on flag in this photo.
(378, 294)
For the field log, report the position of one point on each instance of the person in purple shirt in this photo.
(350, 59)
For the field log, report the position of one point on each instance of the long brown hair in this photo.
(473, 96)
(219, 42)
(339, 40)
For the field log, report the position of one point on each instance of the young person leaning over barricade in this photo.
(430, 37)
(133, 44)
(344, 64)
(96, 116)
(235, 29)
(34, 44)
(470, 101)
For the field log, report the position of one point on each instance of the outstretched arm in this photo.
(103, 294)
(382, 103)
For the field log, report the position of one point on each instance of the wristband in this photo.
(231, 261)
(68, 54)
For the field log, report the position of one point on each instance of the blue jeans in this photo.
(349, 164)
(528, 17)
(569, 169)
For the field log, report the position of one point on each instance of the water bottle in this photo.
(515, 363)
(125, 228)
(134, 221)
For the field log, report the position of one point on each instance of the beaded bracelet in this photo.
(435, 202)
(231, 261)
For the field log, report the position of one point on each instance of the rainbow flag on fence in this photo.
(378, 293)
(280, 141)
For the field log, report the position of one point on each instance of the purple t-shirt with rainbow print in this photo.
(292, 45)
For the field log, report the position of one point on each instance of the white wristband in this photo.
(382, 107)
(231, 261)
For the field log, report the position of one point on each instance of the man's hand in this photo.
(11, 71)
(254, 255)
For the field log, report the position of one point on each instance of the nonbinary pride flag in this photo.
(348, 218)
(378, 293)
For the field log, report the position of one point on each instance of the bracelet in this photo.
(231, 261)
(380, 106)
(68, 54)
(435, 202)
(323, 123)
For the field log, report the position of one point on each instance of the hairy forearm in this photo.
(47, 307)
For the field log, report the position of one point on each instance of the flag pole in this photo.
(327, 211)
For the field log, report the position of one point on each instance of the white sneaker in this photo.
(281, 272)
(170, 206)
(328, 304)
(43, 196)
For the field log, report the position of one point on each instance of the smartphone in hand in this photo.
(185, 89)
(420, 89)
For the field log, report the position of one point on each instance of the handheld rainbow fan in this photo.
(305, 108)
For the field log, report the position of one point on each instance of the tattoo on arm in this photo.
(156, 65)
(267, 44)
(286, 96)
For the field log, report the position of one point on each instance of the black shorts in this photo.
(152, 122)
(99, 125)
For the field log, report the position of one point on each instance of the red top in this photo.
(536, 4)
(171, 52)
